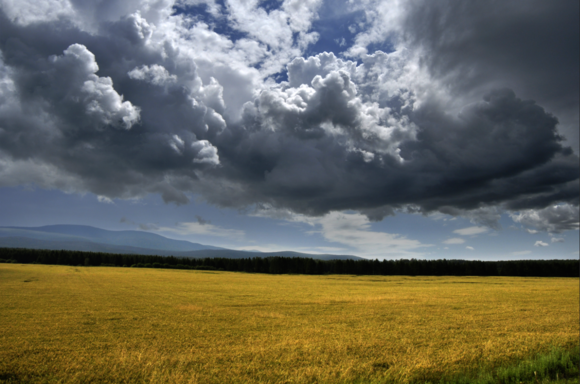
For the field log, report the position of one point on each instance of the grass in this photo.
(109, 325)
(556, 366)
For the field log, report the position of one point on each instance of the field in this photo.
(101, 324)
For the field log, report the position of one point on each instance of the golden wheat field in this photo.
(102, 324)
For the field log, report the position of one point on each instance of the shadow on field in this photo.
(12, 378)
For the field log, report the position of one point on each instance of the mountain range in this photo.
(91, 239)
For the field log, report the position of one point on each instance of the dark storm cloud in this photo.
(500, 151)
(554, 219)
(65, 115)
(130, 108)
(530, 47)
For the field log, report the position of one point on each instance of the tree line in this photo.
(299, 265)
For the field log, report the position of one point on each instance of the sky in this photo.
(383, 129)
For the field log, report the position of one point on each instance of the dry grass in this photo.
(77, 324)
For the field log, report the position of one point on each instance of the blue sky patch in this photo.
(219, 25)
(334, 33)
(270, 5)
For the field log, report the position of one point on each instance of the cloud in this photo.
(454, 240)
(96, 94)
(557, 240)
(470, 231)
(155, 74)
(459, 47)
(201, 220)
(206, 153)
(555, 219)
(470, 248)
(486, 216)
(540, 243)
(125, 99)
(206, 229)
(381, 22)
(25, 12)
(104, 199)
(520, 253)
(353, 231)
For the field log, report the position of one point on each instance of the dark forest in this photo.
(296, 265)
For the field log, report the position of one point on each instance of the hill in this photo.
(91, 239)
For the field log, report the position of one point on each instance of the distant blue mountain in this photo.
(68, 233)
(80, 245)
(91, 239)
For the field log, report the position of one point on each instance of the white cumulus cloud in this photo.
(154, 74)
(199, 229)
(471, 231)
(206, 153)
(353, 230)
(454, 240)
(96, 93)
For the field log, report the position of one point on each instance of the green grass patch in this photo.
(557, 366)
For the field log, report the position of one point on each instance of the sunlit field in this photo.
(102, 324)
